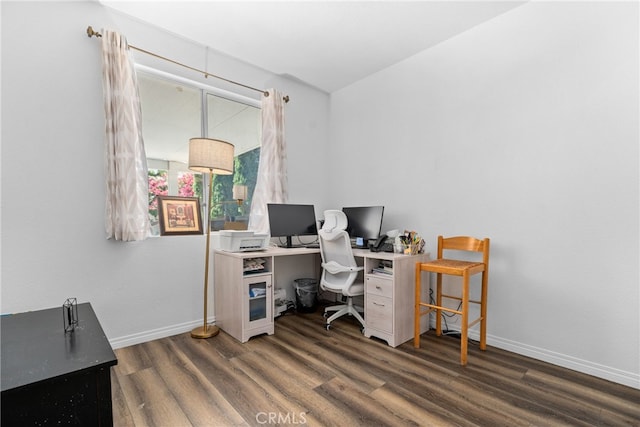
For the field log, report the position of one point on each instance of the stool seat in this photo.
(454, 267)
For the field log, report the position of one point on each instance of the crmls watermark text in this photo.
(280, 418)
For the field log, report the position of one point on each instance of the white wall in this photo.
(525, 130)
(53, 240)
(537, 110)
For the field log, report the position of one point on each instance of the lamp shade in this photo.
(208, 155)
(240, 192)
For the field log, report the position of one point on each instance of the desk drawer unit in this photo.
(379, 313)
(389, 298)
(379, 306)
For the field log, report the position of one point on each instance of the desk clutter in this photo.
(253, 265)
(409, 243)
(384, 267)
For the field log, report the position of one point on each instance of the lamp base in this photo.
(208, 332)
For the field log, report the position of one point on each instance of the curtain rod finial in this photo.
(91, 33)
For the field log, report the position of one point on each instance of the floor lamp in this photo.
(210, 156)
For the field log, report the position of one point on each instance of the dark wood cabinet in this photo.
(50, 377)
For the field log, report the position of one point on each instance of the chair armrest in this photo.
(335, 268)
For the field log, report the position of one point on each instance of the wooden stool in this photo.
(454, 267)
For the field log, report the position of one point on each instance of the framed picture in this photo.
(179, 215)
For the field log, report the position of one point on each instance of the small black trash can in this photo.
(306, 295)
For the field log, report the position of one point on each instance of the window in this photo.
(173, 111)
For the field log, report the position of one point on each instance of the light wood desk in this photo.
(244, 300)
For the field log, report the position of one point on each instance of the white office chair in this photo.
(339, 269)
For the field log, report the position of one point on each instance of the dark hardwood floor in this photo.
(305, 375)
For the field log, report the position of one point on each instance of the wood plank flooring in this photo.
(305, 375)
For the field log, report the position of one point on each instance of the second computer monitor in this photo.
(364, 222)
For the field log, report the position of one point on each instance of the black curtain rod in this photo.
(92, 33)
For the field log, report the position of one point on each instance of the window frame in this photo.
(204, 90)
(217, 91)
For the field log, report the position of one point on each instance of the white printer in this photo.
(242, 240)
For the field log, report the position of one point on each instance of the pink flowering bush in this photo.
(157, 187)
(186, 184)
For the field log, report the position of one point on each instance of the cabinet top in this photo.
(35, 346)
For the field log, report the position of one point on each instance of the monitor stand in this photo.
(290, 244)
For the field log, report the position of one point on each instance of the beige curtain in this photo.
(127, 185)
(271, 185)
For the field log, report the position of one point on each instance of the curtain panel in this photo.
(271, 185)
(127, 182)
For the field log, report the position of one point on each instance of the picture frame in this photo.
(179, 215)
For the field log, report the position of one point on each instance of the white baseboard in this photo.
(155, 334)
(601, 371)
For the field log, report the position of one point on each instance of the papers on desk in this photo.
(384, 267)
(253, 265)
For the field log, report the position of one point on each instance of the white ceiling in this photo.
(326, 44)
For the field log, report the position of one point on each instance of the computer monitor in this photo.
(364, 222)
(287, 220)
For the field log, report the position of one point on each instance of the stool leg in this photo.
(483, 312)
(465, 319)
(439, 304)
(416, 312)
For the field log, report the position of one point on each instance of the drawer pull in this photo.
(378, 287)
(378, 304)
